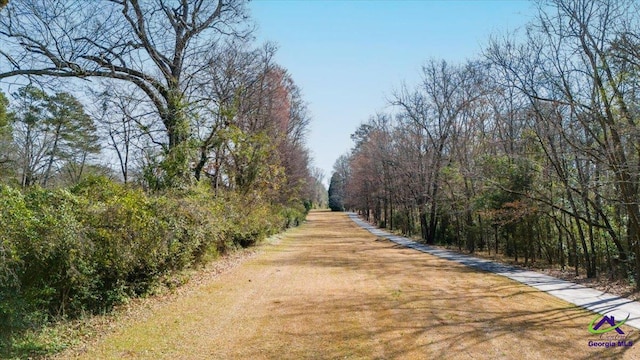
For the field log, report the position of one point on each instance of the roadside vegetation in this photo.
(72, 252)
(530, 151)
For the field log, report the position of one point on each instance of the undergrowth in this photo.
(73, 252)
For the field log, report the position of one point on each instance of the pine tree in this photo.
(336, 192)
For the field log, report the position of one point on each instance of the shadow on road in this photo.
(410, 304)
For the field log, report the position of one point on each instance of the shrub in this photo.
(49, 271)
(66, 252)
(15, 225)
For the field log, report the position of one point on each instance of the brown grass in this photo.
(331, 290)
(602, 282)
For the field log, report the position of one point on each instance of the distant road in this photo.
(331, 290)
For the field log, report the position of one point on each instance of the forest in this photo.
(531, 150)
(137, 140)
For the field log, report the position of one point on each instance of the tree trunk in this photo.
(175, 164)
(423, 224)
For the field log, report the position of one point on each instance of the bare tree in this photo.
(435, 108)
(121, 116)
(319, 196)
(158, 46)
(575, 72)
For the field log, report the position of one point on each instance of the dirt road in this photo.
(330, 290)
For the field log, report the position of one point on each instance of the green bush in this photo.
(66, 252)
(48, 272)
(15, 225)
(293, 215)
(58, 274)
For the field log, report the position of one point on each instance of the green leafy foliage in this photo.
(15, 222)
(4, 103)
(68, 252)
(7, 148)
(48, 132)
(507, 180)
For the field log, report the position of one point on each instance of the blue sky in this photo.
(349, 56)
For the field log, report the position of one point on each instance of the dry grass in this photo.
(331, 290)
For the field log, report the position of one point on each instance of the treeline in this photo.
(532, 151)
(187, 141)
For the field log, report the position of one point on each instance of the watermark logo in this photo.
(603, 324)
(613, 325)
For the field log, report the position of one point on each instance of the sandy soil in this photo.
(330, 290)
